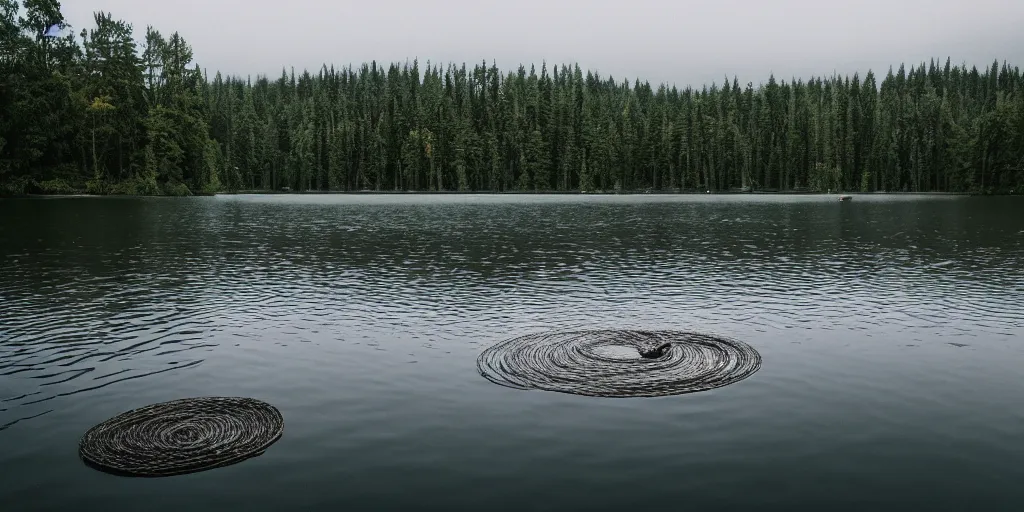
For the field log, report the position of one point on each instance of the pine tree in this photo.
(97, 112)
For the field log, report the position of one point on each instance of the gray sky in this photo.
(676, 41)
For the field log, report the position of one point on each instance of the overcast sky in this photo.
(686, 42)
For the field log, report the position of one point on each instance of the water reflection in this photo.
(97, 292)
(102, 293)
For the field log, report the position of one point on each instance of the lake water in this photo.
(890, 329)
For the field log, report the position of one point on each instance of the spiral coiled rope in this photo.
(579, 363)
(182, 436)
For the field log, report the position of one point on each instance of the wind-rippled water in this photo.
(890, 330)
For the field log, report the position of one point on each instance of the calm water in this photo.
(890, 329)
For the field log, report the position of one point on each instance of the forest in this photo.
(97, 112)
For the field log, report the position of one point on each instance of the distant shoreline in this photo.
(524, 193)
(591, 193)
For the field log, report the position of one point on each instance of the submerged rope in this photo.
(581, 363)
(182, 436)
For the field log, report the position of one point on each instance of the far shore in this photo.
(589, 192)
(536, 193)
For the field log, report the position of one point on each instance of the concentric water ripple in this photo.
(113, 293)
(578, 362)
(182, 436)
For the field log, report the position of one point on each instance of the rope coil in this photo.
(182, 436)
(581, 362)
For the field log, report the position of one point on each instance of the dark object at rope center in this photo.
(653, 352)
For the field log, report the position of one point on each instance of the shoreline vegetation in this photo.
(96, 112)
(525, 192)
(35, 190)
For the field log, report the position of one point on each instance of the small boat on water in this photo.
(846, 198)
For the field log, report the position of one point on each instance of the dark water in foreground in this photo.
(890, 329)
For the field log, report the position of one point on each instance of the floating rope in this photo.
(585, 362)
(182, 436)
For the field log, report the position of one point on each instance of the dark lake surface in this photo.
(890, 329)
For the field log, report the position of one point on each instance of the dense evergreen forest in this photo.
(98, 112)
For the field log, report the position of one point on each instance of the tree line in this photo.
(98, 112)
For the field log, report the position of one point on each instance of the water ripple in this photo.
(116, 291)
